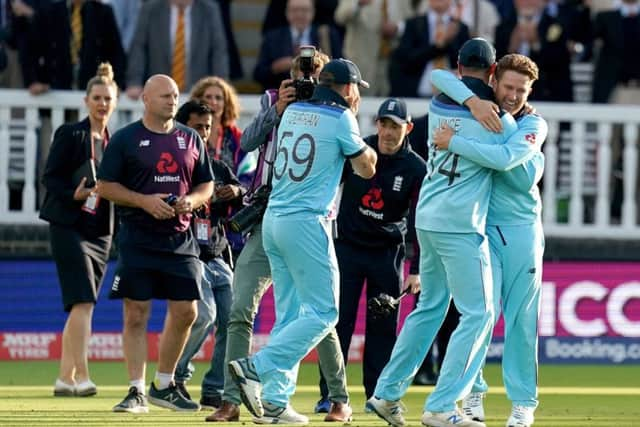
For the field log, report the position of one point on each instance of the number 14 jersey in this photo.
(454, 197)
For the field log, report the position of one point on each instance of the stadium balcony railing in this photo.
(578, 180)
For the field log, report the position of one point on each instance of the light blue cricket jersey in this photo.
(314, 139)
(455, 193)
(515, 198)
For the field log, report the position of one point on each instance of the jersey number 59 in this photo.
(302, 154)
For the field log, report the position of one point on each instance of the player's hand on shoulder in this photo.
(155, 205)
(442, 136)
(486, 112)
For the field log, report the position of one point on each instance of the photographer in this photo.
(253, 274)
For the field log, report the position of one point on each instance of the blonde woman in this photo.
(224, 141)
(80, 226)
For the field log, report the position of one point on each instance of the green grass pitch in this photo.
(570, 395)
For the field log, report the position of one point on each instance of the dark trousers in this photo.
(382, 269)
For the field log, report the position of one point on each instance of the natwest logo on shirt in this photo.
(373, 199)
(372, 203)
(166, 165)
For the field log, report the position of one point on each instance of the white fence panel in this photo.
(577, 182)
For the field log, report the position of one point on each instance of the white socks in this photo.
(163, 381)
(139, 384)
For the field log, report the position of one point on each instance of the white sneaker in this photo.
(86, 388)
(246, 378)
(521, 416)
(62, 389)
(453, 418)
(389, 410)
(472, 406)
(278, 415)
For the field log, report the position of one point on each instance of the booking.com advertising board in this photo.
(590, 313)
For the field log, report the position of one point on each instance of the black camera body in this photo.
(171, 199)
(306, 84)
(249, 215)
(304, 88)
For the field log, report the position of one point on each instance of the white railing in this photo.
(578, 176)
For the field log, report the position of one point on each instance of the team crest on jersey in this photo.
(531, 138)
(397, 183)
(181, 144)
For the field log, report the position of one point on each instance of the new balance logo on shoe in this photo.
(454, 419)
(171, 398)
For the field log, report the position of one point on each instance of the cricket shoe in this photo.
(246, 378)
(472, 406)
(62, 389)
(453, 418)
(389, 410)
(134, 402)
(278, 415)
(171, 398)
(521, 416)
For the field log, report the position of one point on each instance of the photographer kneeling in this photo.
(253, 275)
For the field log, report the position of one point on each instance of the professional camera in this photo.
(305, 84)
(246, 217)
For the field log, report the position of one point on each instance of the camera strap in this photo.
(270, 147)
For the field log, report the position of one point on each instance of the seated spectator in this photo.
(617, 77)
(235, 64)
(575, 16)
(616, 71)
(11, 27)
(372, 28)
(481, 23)
(429, 42)
(275, 16)
(534, 33)
(65, 44)
(126, 13)
(280, 45)
(195, 45)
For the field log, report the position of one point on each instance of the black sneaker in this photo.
(183, 389)
(210, 402)
(134, 402)
(171, 398)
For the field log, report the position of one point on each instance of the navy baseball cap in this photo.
(394, 109)
(477, 53)
(342, 71)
